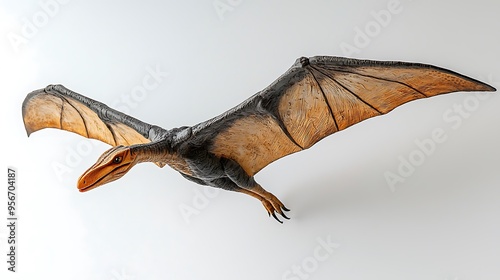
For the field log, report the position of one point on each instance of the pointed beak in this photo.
(106, 170)
(97, 176)
(87, 181)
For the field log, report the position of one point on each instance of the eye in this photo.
(117, 159)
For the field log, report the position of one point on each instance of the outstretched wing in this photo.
(317, 97)
(58, 107)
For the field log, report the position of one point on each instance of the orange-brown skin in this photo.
(250, 138)
(110, 166)
(316, 97)
(70, 115)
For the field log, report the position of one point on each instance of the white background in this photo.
(441, 222)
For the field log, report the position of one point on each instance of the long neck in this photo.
(152, 152)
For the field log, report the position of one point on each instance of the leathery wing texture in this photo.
(326, 99)
(316, 97)
(53, 111)
(253, 142)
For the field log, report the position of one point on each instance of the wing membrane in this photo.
(320, 96)
(58, 107)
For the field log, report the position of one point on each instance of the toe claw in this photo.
(274, 215)
(274, 206)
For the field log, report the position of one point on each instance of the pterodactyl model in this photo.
(316, 97)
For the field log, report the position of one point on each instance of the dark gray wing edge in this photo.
(259, 101)
(105, 113)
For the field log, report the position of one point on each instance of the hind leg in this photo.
(246, 184)
(272, 204)
(227, 174)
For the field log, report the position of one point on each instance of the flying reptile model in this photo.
(316, 97)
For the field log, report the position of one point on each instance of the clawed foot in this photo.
(273, 205)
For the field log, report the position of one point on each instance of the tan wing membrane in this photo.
(306, 113)
(124, 135)
(428, 80)
(347, 108)
(253, 142)
(322, 95)
(381, 95)
(49, 117)
(48, 110)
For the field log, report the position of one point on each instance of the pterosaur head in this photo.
(110, 166)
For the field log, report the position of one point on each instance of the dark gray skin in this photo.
(206, 168)
(316, 97)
